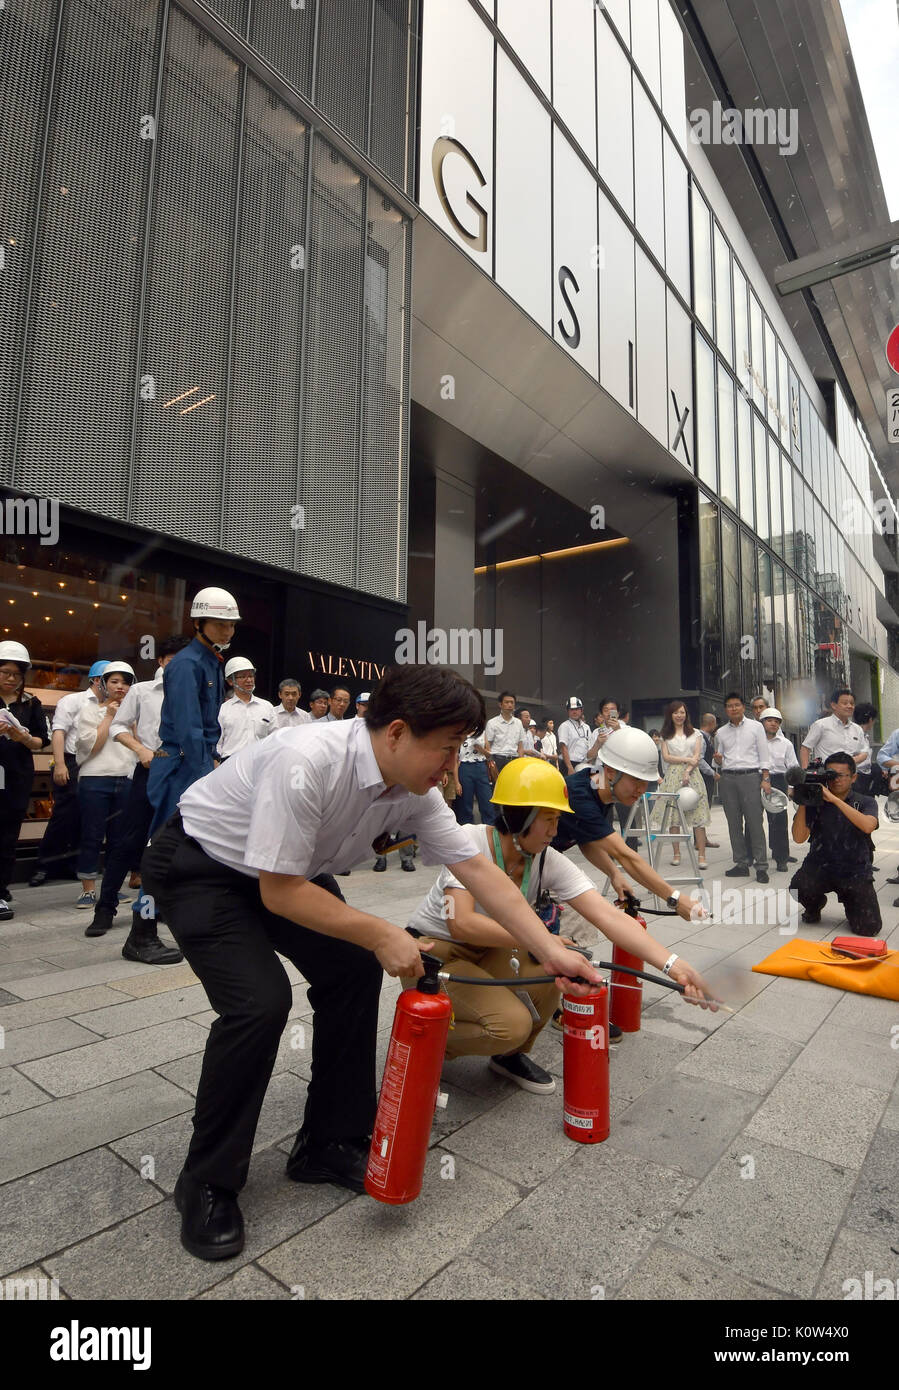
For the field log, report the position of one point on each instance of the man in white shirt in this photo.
(288, 714)
(362, 703)
(744, 761)
(475, 782)
(244, 871)
(504, 735)
(528, 733)
(338, 703)
(245, 717)
(578, 743)
(318, 705)
(136, 727)
(783, 757)
(836, 733)
(548, 748)
(59, 846)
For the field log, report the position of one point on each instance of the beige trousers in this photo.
(491, 1022)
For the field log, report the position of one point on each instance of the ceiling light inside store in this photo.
(183, 396)
(553, 555)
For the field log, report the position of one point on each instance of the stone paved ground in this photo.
(752, 1155)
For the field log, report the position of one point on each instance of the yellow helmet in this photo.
(531, 782)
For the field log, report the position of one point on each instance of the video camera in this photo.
(808, 783)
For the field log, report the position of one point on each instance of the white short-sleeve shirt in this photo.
(241, 723)
(504, 735)
(310, 801)
(560, 877)
(831, 735)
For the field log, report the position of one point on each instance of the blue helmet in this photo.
(97, 669)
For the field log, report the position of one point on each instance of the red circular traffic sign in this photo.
(893, 349)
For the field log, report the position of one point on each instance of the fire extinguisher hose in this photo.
(524, 980)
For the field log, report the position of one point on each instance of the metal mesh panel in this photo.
(285, 37)
(234, 12)
(342, 66)
(382, 504)
(391, 96)
(75, 429)
(25, 56)
(330, 436)
(262, 473)
(179, 456)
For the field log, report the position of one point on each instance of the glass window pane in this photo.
(766, 626)
(762, 524)
(723, 292)
(783, 391)
(805, 427)
(744, 458)
(749, 586)
(771, 376)
(756, 350)
(730, 581)
(792, 628)
(702, 258)
(788, 550)
(709, 601)
(777, 542)
(727, 458)
(706, 444)
(781, 668)
(741, 327)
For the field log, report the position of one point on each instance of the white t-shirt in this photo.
(560, 877)
(310, 801)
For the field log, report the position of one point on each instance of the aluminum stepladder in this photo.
(639, 826)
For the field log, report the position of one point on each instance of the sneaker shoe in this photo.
(6, 912)
(615, 1033)
(809, 918)
(87, 900)
(738, 871)
(558, 1021)
(519, 1068)
(762, 876)
(339, 1161)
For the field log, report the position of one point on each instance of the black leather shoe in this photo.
(37, 878)
(782, 867)
(151, 951)
(380, 864)
(211, 1223)
(101, 921)
(408, 866)
(738, 871)
(894, 879)
(809, 918)
(341, 1161)
(762, 876)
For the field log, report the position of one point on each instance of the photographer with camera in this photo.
(840, 823)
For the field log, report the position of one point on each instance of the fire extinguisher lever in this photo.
(429, 983)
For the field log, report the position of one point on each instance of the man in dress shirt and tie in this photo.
(745, 763)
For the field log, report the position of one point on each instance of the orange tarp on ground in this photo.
(816, 960)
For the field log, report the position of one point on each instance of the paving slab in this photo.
(521, 1138)
(890, 1118)
(63, 981)
(142, 1013)
(794, 1009)
(22, 1014)
(750, 1059)
(776, 1227)
(681, 1022)
(249, 1284)
(42, 1040)
(683, 1122)
(874, 1209)
(100, 1062)
(24, 972)
(167, 1143)
(813, 1116)
(154, 979)
(671, 1274)
(34, 1284)
(47, 1211)
(855, 1263)
(142, 1258)
(588, 1228)
(865, 1013)
(7, 998)
(845, 1055)
(369, 1250)
(87, 952)
(57, 1129)
(18, 1093)
(466, 1280)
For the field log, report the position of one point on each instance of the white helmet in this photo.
(688, 798)
(120, 668)
(775, 800)
(237, 663)
(891, 806)
(771, 714)
(215, 603)
(14, 651)
(631, 751)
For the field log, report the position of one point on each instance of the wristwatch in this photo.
(673, 900)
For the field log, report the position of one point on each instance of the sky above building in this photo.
(873, 28)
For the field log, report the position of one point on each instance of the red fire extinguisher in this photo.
(585, 1052)
(399, 1144)
(627, 990)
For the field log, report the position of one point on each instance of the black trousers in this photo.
(778, 835)
(812, 885)
(230, 938)
(57, 855)
(14, 798)
(129, 847)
